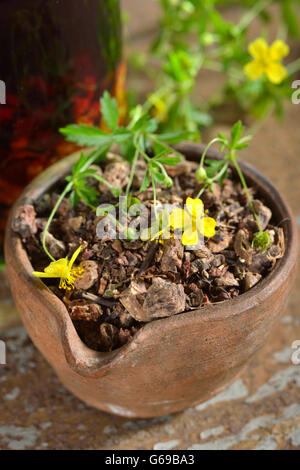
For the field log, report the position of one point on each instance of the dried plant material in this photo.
(221, 241)
(264, 214)
(127, 283)
(251, 279)
(89, 276)
(25, 222)
(164, 299)
(180, 169)
(227, 280)
(117, 174)
(261, 263)
(129, 298)
(108, 336)
(74, 223)
(81, 310)
(56, 248)
(194, 296)
(172, 255)
(242, 246)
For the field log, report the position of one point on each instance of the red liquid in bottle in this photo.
(56, 59)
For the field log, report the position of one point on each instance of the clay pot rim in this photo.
(85, 360)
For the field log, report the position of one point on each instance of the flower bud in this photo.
(201, 174)
(168, 182)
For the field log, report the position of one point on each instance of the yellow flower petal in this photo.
(195, 207)
(159, 111)
(38, 274)
(189, 237)
(62, 269)
(57, 267)
(207, 226)
(254, 70)
(259, 49)
(74, 256)
(178, 218)
(278, 50)
(276, 72)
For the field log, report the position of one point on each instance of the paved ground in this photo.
(259, 411)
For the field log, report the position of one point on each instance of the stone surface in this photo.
(259, 411)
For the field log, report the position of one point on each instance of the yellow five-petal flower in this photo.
(192, 221)
(63, 269)
(266, 60)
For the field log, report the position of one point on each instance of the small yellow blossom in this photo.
(159, 108)
(192, 221)
(162, 236)
(159, 230)
(63, 269)
(266, 60)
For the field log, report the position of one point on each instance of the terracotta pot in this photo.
(172, 363)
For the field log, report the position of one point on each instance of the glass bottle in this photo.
(56, 59)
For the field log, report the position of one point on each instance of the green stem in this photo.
(59, 200)
(217, 176)
(152, 180)
(89, 161)
(293, 67)
(163, 144)
(93, 156)
(250, 15)
(257, 125)
(163, 170)
(154, 196)
(217, 67)
(244, 184)
(133, 165)
(104, 181)
(217, 139)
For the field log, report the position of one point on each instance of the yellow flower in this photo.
(266, 60)
(159, 108)
(192, 221)
(63, 269)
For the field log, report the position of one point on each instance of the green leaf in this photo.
(145, 124)
(109, 110)
(121, 135)
(90, 136)
(88, 195)
(201, 118)
(85, 135)
(158, 177)
(86, 174)
(79, 164)
(174, 137)
(74, 199)
(262, 241)
(213, 167)
(170, 161)
(146, 182)
(290, 18)
(241, 146)
(127, 149)
(236, 132)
